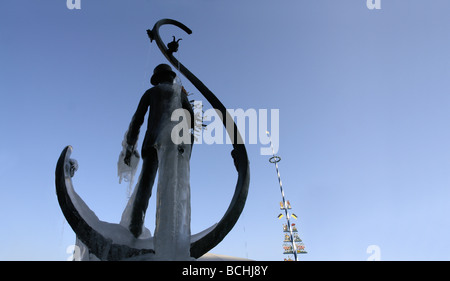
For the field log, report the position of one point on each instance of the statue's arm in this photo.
(138, 119)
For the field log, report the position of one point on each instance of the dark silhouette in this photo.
(158, 99)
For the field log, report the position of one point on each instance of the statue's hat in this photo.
(161, 70)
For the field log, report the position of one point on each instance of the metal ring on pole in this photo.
(275, 159)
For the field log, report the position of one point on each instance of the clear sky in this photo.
(363, 97)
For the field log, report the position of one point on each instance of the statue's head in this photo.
(162, 73)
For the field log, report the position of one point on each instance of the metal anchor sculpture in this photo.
(109, 241)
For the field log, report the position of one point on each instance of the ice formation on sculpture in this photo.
(172, 232)
(127, 172)
(173, 215)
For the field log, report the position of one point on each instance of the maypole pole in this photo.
(285, 205)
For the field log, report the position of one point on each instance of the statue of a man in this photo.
(171, 156)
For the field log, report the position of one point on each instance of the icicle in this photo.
(124, 171)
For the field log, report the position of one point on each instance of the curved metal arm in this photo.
(154, 35)
(239, 153)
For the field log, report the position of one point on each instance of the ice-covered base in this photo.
(216, 257)
(82, 254)
(205, 257)
(153, 257)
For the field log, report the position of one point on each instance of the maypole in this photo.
(292, 242)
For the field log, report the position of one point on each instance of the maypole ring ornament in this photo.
(275, 159)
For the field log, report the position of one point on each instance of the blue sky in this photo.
(363, 97)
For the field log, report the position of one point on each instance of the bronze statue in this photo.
(162, 99)
(160, 150)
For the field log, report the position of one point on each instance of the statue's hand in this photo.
(128, 153)
(127, 158)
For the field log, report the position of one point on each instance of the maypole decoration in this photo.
(292, 244)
